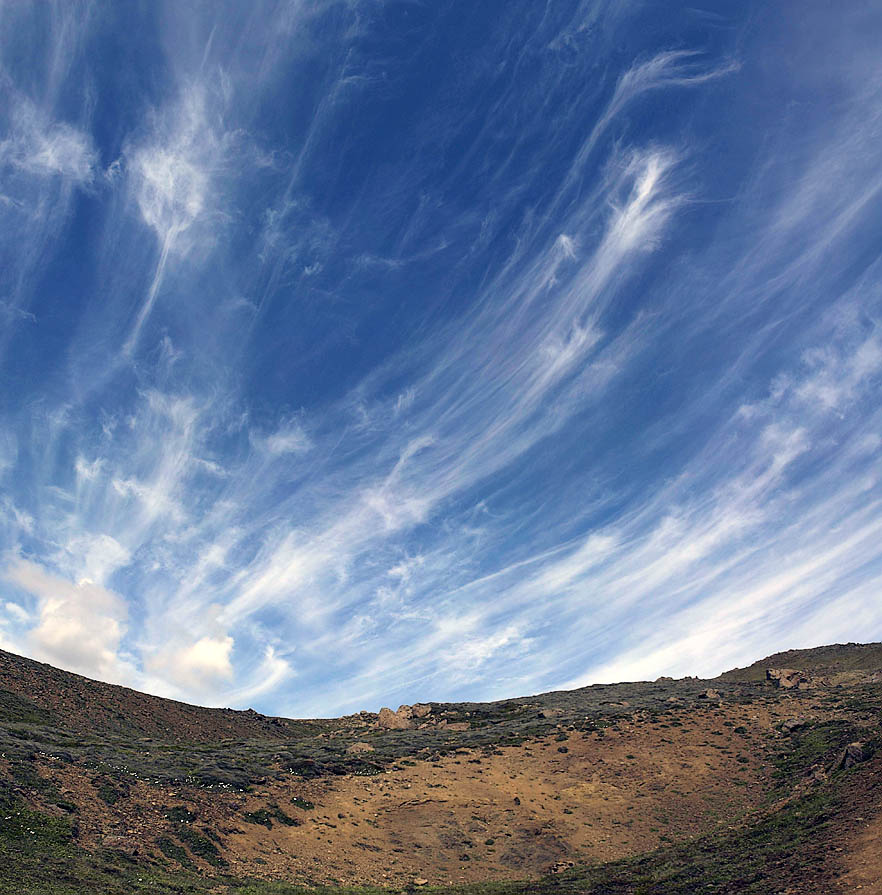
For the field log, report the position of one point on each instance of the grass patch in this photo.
(175, 852)
(180, 814)
(201, 846)
(811, 745)
(265, 817)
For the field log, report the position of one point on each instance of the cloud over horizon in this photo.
(365, 354)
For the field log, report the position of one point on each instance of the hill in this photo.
(839, 663)
(34, 690)
(765, 779)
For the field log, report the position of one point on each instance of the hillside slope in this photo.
(752, 782)
(79, 704)
(838, 663)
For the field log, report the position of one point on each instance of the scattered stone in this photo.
(561, 866)
(456, 725)
(792, 724)
(854, 753)
(788, 678)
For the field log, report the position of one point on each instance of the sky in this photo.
(359, 353)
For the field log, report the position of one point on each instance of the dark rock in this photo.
(854, 753)
(792, 724)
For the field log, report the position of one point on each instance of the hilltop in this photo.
(36, 691)
(763, 779)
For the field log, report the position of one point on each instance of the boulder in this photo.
(421, 709)
(788, 678)
(710, 693)
(360, 748)
(792, 724)
(400, 720)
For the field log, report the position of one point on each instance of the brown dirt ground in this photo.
(859, 834)
(468, 816)
(864, 859)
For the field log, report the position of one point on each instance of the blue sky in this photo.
(355, 353)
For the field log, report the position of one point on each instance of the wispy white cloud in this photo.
(171, 172)
(540, 392)
(287, 439)
(270, 674)
(45, 148)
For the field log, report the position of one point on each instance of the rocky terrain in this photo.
(765, 779)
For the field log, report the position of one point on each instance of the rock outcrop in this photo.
(788, 678)
(400, 720)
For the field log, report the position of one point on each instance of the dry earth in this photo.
(599, 779)
(471, 815)
(863, 858)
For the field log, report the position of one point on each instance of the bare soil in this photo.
(468, 816)
(514, 790)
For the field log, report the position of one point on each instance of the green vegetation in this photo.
(812, 744)
(175, 852)
(266, 816)
(201, 846)
(319, 749)
(180, 814)
(39, 856)
(15, 709)
(108, 792)
(779, 849)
